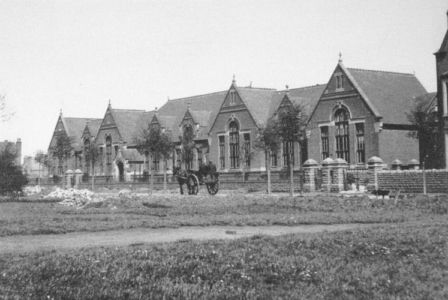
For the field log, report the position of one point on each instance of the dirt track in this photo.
(27, 243)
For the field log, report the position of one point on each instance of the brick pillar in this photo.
(339, 166)
(68, 178)
(413, 164)
(397, 164)
(78, 177)
(327, 174)
(375, 164)
(309, 171)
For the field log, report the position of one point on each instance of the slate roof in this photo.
(258, 101)
(142, 123)
(94, 126)
(127, 122)
(426, 101)
(444, 46)
(176, 108)
(391, 94)
(132, 155)
(75, 128)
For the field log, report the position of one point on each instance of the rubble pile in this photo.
(73, 197)
(33, 190)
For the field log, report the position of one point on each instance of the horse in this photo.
(182, 178)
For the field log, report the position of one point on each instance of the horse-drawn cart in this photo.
(193, 179)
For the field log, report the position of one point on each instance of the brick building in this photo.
(356, 108)
(362, 113)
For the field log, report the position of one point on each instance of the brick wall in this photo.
(411, 181)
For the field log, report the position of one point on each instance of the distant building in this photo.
(16, 147)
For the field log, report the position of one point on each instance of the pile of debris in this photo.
(73, 197)
(33, 190)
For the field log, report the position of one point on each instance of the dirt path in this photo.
(48, 242)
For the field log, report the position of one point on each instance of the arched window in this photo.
(342, 135)
(188, 154)
(234, 137)
(86, 155)
(109, 155)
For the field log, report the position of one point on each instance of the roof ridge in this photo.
(257, 88)
(125, 109)
(197, 95)
(379, 71)
(81, 118)
(304, 87)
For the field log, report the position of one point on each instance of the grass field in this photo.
(400, 262)
(28, 216)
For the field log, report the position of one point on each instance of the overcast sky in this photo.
(76, 55)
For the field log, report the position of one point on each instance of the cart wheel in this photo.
(213, 188)
(193, 185)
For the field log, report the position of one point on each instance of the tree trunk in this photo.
(291, 177)
(93, 178)
(152, 181)
(268, 171)
(164, 175)
(38, 179)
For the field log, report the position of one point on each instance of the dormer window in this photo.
(232, 97)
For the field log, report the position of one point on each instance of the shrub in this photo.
(12, 180)
(85, 177)
(56, 178)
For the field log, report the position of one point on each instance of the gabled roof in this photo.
(93, 125)
(258, 101)
(127, 122)
(176, 108)
(426, 102)
(444, 46)
(391, 94)
(75, 128)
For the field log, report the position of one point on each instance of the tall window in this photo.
(234, 137)
(339, 81)
(342, 141)
(200, 157)
(360, 146)
(155, 164)
(324, 141)
(86, 150)
(222, 152)
(109, 155)
(232, 97)
(246, 146)
(288, 152)
(179, 156)
(101, 160)
(273, 158)
(60, 167)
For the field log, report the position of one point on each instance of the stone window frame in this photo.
(357, 135)
(222, 151)
(343, 139)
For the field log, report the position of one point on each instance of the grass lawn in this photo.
(398, 262)
(36, 217)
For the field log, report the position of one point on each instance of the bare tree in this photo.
(292, 130)
(158, 145)
(40, 158)
(91, 155)
(187, 142)
(268, 141)
(62, 149)
(5, 113)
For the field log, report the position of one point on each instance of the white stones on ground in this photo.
(32, 190)
(74, 197)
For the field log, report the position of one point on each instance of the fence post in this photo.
(309, 170)
(375, 165)
(339, 165)
(326, 174)
(78, 177)
(397, 164)
(68, 178)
